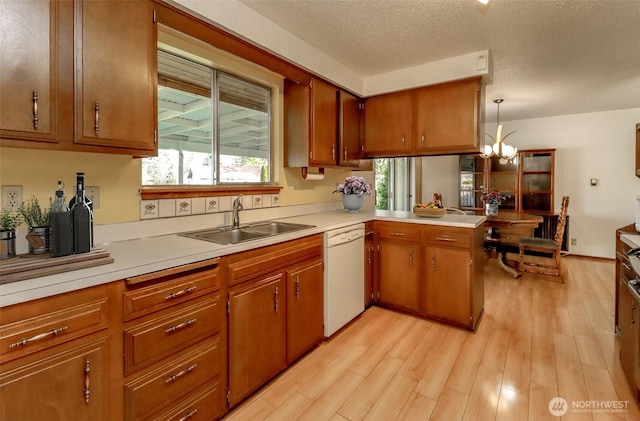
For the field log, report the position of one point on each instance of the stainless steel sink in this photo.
(228, 235)
(274, 228)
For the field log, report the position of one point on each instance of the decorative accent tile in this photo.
(149, 209)
(224, 203)
(211, 204)
(197, 205)
(257, 201)
(167, 208)
(183, 207)
(275, 200)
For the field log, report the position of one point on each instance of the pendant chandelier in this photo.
(501, 150)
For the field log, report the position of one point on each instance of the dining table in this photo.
(503, 232)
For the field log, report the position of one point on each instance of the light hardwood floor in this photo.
(538, 339)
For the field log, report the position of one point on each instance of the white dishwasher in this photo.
(343, 276)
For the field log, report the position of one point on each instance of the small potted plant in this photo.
(38, 218)
(353, 190)
(9, 221)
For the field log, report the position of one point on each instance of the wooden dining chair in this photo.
(543, 255)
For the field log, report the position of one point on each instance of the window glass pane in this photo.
(209, 124)
(244, 130)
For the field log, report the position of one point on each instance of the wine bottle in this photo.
(61, 229)
(82, 218)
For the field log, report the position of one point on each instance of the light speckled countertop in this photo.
(632, 240)
(144, 255)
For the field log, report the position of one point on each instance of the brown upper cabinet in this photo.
(437, 119)
(75, 83)
(29, 71)
(322, 125)
(387, 125)
(116, 88)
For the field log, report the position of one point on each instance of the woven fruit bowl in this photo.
(429, 212)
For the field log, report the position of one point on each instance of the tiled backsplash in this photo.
(169, 208)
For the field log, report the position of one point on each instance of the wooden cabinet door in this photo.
(257, 342)
(305, 308)
(116, 75)
(29, 70)
(447, 117)
(66, 383)
(447, 294)
(387, 125)
(324, 123)
(349, 130)
(369, 244)
(398, 273)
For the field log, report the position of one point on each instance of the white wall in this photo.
(440, 175)
(594, 145)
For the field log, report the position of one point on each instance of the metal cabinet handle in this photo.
(369, 251)
(173, 295)
(35, 109)
(626, 266)
(411, 258)
(397, 234)
(422, 139)
(276, 305)
(345, 153)
(402, 140)
(297, 287)
(449, 239)
(39, 336)
(176, 376)
(189, 415)
(333, 152)
(97, 117)
(180, 326)
(433, 261)
(87, 388)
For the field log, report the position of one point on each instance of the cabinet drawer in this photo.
(43, 331)
(258, 262)
(171, 381)
(448, 236)
(168, 291)
(205, 405)
(159, 335)
(399, 231)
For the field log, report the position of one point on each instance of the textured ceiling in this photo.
(549, 57)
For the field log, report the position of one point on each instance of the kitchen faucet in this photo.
(237, 207)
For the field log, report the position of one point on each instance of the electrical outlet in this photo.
(574, 241)
(11, 197)
(93, 193)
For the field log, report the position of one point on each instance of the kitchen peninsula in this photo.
(151, 303)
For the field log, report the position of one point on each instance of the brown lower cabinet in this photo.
(627, 314)
(275, 311)
(257, 335)
(432, 271)
(174, 343)
(55, 358)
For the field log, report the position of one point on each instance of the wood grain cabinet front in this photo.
(257, 334)
(29, 61)
(175, 343)
(387, 125)
(54, 358)
(305, 307)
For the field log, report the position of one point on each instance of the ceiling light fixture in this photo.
(483, 1)
(501, 150)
